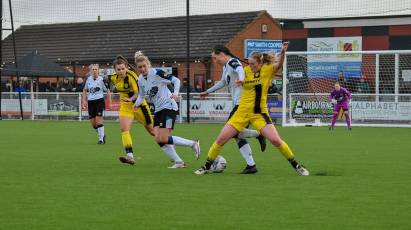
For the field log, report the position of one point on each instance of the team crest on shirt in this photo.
(152, 93)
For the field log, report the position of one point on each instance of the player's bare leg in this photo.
(150, 129)
(270, 132)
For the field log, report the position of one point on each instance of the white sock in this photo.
(100, 132)
(130, 155)
(246, 133)
(182, 141)
(170, 151)
(246, 153)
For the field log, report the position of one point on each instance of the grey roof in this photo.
(159, 38)
(36, 65)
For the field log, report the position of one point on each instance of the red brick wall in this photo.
(252, 31)
(196, 68)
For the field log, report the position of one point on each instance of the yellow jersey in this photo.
(255, 88)
(126, 86)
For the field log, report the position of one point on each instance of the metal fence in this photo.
(215, 108)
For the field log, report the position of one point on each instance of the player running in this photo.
(340, 98)
(94, 101)
(232, 73)
(153, 86)
(125, 82)
(253, 109)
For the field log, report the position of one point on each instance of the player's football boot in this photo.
(263, 142)
(178, 165)
(127, 160)
(196, 149)
(202, 171)
(301, 170)
(250, 169)
(102, 142)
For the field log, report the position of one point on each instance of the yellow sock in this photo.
(126, 138)
(213, 152)
(286, 151)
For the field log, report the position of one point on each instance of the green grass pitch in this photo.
(53, 175)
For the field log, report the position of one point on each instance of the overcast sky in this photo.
(60, 11)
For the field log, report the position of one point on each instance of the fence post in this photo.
(377, 77)
(79, 107)
(32, 102)
(180, 108)
(284, 116)
(396, 80)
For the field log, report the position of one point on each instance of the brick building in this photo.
(76, 45)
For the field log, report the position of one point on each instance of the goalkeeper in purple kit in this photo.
(340, 98)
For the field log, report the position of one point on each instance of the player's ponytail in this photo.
(223, 49)
(268, 58)
(140, 57)
(264, 58)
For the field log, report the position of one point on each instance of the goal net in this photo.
(380, 83)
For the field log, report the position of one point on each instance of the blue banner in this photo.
(256, 45)
(275, 108)
(331, 69)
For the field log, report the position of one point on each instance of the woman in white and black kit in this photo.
(95, 101)
(152, 85)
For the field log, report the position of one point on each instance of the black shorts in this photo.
(96, 108)
(165, 118)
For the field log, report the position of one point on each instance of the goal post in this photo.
(380, 83)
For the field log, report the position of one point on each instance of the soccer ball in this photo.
(219, 165)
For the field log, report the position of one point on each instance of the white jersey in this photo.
(153, 88)
(95, 88)
(232, 71)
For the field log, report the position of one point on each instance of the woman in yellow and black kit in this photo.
(125, 83)
(253, 109)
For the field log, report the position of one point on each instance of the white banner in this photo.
(40, 107)
(13, 106)
(371, 110)
(330, 65)
(334, 44)
(207, 108)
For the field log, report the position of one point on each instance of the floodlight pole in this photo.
(15, 58)
(188, 58)
(1, 49)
